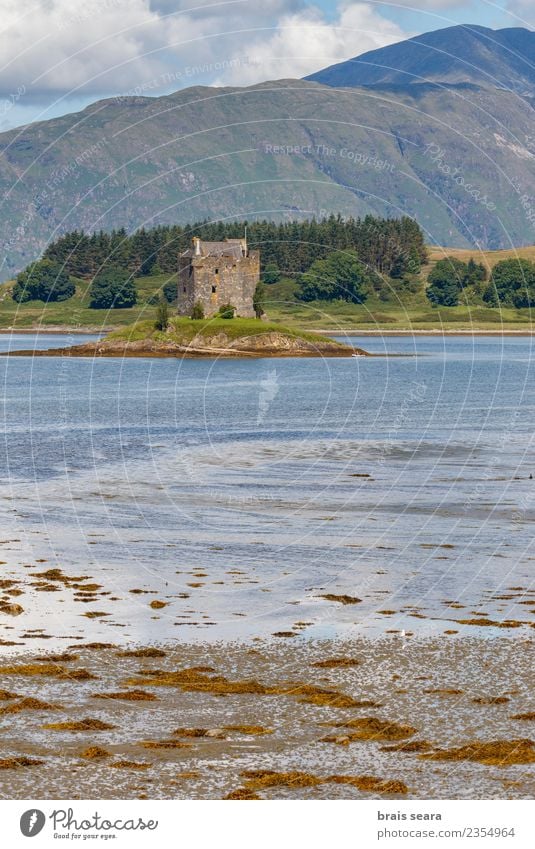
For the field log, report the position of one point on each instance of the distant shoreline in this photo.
(355, 332)
(56, 329)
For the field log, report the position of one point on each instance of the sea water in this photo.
(241, 492)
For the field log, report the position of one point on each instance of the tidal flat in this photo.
(389, 718)
(291, 579)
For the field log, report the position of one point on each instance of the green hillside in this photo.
(281, 150)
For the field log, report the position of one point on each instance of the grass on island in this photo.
(183, 330)
(411, 311)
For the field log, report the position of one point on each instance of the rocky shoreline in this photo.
(269, 344)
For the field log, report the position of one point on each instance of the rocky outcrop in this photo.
(268, 344)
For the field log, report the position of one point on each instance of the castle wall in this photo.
(215, 281)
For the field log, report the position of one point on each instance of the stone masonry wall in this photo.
(215, 281)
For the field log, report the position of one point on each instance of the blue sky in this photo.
(437, 15)
(58, 57)
(423, 16)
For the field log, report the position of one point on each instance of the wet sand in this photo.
(43, 607)
(388, 718)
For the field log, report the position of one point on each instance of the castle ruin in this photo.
(218, 273)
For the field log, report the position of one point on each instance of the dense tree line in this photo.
(392, 247)
(340, 277)
(332, 259)
(451, 279)
(512, 284)
(112, 288)
(43, 281)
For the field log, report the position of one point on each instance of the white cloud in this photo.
(522, 13)
(305, 42)
(57, 47)
(228, 8)
(425, 5)
(53, 50)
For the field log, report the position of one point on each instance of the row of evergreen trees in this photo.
(393, 247)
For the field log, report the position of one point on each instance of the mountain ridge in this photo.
(459, 157)
(462, 53)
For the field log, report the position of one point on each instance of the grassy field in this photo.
(488, 258)
(409, 312)
(76, 313)
(413, 312)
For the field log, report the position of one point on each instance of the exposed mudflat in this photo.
(437, 718)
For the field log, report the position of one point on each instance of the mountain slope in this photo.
(460, 54)
(461, 159)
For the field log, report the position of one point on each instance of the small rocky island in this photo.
(217, 281)
(217, 337)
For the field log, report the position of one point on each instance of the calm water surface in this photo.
(42, 341)
(241, 492)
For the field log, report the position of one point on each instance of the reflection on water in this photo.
(241, 492)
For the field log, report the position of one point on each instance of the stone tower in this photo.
(218, 273)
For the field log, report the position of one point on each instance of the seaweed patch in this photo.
(370, 728)
(80, 725)
(128, 696)
(494, 753)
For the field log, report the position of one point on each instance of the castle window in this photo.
(184, 288)
(214, 290)
(216, 271)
